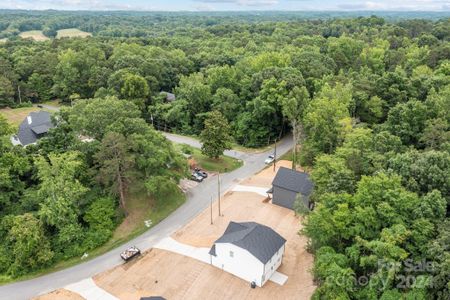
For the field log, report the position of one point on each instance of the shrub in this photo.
(187, 149)
(100, 216)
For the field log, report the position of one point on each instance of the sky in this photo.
(229, 5)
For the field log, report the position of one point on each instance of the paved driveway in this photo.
(89, 290)
(197, 200)
(180, 139)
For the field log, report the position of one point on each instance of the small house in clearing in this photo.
(249, 250)
(287, 184)
(32, 128)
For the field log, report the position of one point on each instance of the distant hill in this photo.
(390, 15)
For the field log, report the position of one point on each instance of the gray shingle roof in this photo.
(293, 180)
(40, 129)
(30, 132)
(169, 96)
(261, 241)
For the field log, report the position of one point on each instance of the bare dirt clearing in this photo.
(173, 276)
(72, 32)
(36, 35)
(60, 294)
(265, 177)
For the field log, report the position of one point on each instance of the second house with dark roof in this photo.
(249, 250)
(32, 128)
(287, 185)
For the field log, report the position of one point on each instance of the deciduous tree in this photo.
(216, 136)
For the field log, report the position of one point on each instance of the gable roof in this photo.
(293, 180)
(35, 124)
(261, 241)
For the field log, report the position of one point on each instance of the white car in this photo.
(269, 159)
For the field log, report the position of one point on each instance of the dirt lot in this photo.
(173, 276)
(71, 32)
(36, 35)
(60, 294)
(265, 177)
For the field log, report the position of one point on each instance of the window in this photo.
(231, 254)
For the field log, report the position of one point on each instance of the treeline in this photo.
(66, 195)
(242, 69)
(146, 24)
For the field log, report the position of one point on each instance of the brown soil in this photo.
(60, 294)
(173, 276)
(265, 177)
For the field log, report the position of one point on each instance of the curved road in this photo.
(198, 198)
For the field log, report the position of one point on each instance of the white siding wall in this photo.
(244, 265)
(273, 264)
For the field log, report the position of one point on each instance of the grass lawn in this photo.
(71, 32)
(140, 207)
(222, 164)
(15, 116)
(52, 103)
(36, 35)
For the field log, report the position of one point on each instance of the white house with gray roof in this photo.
(249, 250)
(32, 128)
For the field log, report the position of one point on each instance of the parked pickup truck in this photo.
(130, 253)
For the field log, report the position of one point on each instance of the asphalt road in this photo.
(198, 198)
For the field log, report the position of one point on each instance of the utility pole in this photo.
(275, 151)
(218, 191)
(20, 97)
(211, 210)
(275, 156)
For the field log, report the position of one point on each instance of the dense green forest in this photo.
(367, 98)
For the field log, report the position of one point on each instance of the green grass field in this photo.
(222, 164)
(71, 32)
(36, 35)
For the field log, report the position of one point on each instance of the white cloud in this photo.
(71, 5)
(422, 5)
(208, 5)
